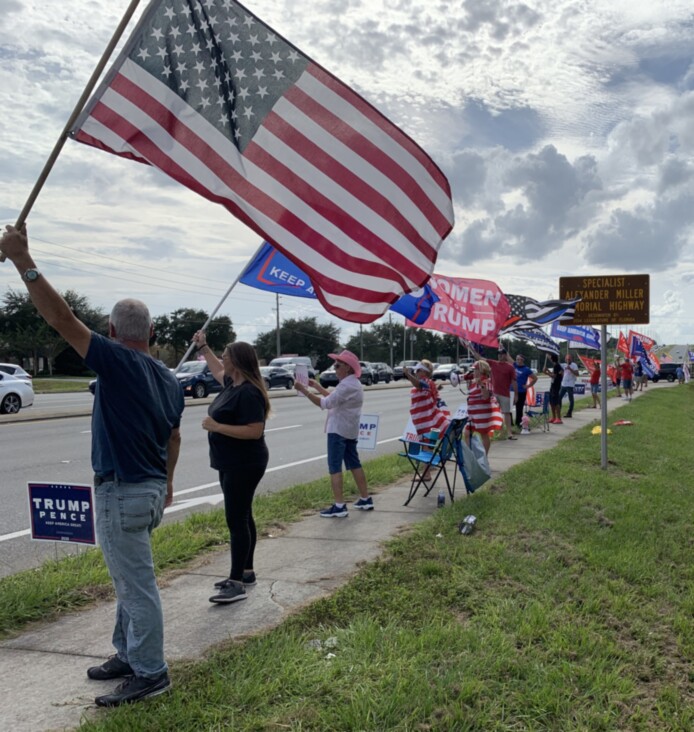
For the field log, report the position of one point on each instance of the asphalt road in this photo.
(58, 450)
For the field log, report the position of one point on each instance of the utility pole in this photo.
(390, 337)
(277, 327)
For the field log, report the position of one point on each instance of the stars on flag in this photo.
(250, 65)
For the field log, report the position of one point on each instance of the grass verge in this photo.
(66, 584)
(59, 386)
(570, 608)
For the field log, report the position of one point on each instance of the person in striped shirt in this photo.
(428, 411)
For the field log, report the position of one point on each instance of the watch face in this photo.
(31, 275)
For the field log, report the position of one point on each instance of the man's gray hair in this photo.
(131, 320)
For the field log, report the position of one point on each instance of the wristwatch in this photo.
(31, 275)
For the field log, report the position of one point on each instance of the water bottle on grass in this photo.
(441, 499)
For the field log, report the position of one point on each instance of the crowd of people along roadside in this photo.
(136, 442)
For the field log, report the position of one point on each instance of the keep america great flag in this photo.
(209, 94)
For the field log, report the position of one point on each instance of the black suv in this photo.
(668, 371)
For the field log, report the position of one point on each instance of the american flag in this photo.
(528, 314)
(209, 94)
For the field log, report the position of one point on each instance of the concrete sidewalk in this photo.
(43, 684)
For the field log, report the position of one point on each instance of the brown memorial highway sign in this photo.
(608, 300)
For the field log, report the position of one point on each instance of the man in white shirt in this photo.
(344, 405)
(568, 383)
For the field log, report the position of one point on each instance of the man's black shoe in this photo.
(133, 689)
(114, 668)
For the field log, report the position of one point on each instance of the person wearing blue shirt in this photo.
(135, 446)
(525, 378)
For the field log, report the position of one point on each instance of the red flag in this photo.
(473, 309)
(622, 344)
(212, 96)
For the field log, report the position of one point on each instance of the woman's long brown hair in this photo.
(244, 358)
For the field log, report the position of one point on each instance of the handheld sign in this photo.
(62, 512)
(368, 432)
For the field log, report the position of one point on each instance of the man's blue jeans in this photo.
(126, 513)
(570, 391)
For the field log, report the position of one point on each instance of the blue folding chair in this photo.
(542, 417)
(447, 448)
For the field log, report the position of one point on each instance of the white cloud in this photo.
(565, 131)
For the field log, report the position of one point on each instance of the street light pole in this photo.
(277, 313)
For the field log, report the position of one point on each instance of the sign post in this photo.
(607, 300)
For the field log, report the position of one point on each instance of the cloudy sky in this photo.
(564, 127)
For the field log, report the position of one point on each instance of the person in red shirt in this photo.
(627, 378)
(595, 384)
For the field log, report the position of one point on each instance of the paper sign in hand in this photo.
(301, 374)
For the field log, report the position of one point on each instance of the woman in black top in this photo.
(236, 426)
(556, 374)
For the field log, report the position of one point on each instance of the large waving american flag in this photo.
(216, 99)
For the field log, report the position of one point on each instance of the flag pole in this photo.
(75, 113)
(219, 305)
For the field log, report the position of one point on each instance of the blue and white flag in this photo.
(271, 271)
(582, 335)
(540, 340)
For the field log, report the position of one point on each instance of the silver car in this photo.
(14, 394)
(17, 371)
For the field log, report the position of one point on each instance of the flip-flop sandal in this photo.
(511, 437)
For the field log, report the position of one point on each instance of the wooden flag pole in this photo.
(75, 113)
(219, 305)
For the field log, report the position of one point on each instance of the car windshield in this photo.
(265, 370)
(192, 367)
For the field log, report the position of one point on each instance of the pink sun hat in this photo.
(350, 359)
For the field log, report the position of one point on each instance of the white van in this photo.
(290, 363)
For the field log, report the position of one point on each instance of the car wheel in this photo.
(671, 378)
(200, 390)
(289, 384)
(11, 404)
(387, 379)
(369, 381)
(267, 383)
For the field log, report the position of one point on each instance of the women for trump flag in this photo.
(470, 309)
(209, 94)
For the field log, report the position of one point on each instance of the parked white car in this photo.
(14, 394)
(16, 371)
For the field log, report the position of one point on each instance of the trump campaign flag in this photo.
(471, 309)
(270, 270)
(622, 345)
(212, 96)
(579, 335)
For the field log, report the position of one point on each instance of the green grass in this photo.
(57, 385)
(66, 584)
(570, 607)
